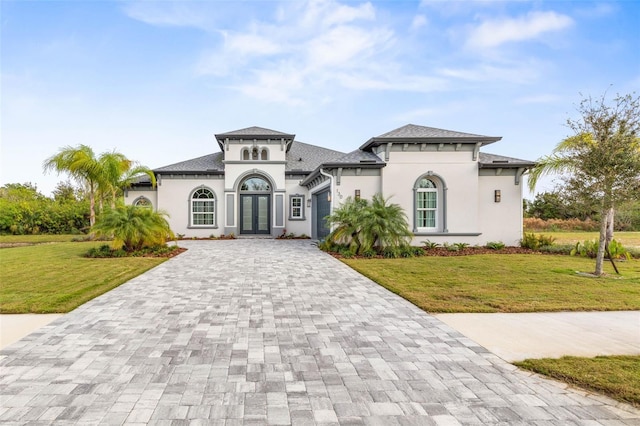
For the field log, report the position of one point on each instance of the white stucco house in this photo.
(262, 182)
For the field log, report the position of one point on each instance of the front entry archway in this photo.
(255, 206)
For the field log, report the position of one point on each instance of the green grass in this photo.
(505, 283)
(615, 376)
(49, 278)
(37, 239)
(627, 239)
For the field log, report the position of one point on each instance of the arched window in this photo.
(245, 154)
(143, 202)
(203, 208)
(254, 153)
(255, 184)
(264, 154)
(427, 205)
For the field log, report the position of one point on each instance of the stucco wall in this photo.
(298, 227)
(174, 198)
(500, 221)
(459, 173)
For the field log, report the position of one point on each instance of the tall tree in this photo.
(120, 173)
(82, 165)
(601, 159)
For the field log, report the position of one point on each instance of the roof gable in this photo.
(412, 133)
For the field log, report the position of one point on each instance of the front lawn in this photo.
(48, 278)
(615, 376)
(505, 283)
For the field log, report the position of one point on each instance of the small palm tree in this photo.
(384, 225)
(347, 220)
(134, 228)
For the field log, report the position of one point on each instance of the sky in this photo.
(155, 80)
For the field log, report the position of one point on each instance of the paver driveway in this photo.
(270, 332)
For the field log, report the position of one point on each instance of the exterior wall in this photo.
(132, 194)
(500, 221)
(174, 198)
(368, 182)
(460, 175)
(298, 227)
(235, 172)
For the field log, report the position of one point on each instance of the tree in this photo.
(601, 159)
(348, 223)
(384, 224)
(365, 225)
(104, 176)
(134, 228)
(81, 164)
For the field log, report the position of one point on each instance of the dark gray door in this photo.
(323, 209)
(255, 214)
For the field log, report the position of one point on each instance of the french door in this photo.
(255, 213)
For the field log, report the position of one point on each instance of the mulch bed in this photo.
(444, 252)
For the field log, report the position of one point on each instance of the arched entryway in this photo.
(255, 206)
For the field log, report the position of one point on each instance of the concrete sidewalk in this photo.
(515, 337)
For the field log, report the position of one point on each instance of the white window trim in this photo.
(302, 207)
(214, 214)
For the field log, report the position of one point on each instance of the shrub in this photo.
(105, 251)
(391, 252)
(134, 228)
(451, 247)
(557, 249)
(534, 242)
(430, 245)
(495, 245)
(589, 248)
(461, 246)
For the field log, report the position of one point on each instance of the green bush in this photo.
(430, 245)
(535, 242)
(557, 249)
(589, 248)
(495, 245)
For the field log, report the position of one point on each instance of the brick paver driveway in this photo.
(270, 332)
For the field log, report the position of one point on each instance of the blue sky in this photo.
(156, 80)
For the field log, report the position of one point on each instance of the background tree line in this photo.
(24, 210)
(97, 187)
(561, 204)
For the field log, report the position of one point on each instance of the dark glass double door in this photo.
(255, 213)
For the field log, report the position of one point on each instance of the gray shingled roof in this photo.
(359, 156)
(253, 131)
(424, 134)
(303, 156)
(206, 163)
(487, 160)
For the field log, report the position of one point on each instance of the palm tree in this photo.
(347, 221)
(81, 164)
(384, 225)
(133, 228)
(120, 173)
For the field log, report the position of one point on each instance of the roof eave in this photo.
(486, 140)
(526, 165)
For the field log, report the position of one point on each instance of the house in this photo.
(263, 182)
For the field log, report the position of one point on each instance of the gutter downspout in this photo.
(323, 173)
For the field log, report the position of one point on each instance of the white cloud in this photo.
(419, 21)
(495, 32)
(169, 14)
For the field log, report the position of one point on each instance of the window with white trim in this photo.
(426, 205)
(203, 208)
(296, 207)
